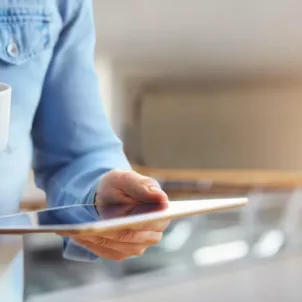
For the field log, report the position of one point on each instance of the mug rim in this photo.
(4, 87)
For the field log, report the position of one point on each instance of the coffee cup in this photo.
(5, 103)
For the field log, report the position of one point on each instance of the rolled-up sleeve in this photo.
(74, 144)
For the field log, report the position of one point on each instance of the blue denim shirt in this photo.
(58, 125)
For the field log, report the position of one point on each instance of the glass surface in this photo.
(269, 228)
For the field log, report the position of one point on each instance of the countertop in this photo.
(209, 181)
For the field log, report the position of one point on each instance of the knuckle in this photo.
(102, 241)
(126, 236)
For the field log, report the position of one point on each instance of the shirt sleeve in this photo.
(74, 144)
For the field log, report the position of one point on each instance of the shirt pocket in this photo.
(25, 32)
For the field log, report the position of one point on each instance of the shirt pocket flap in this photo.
(23, 33)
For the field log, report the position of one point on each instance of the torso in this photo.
(32, 28)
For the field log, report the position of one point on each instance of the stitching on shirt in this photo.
(17, 14)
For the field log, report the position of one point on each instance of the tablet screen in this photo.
(87, 217)
(77, 214)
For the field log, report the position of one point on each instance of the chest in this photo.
(29, 30)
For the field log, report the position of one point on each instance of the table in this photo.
(188, 182)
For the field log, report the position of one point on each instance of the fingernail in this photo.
(154, 189)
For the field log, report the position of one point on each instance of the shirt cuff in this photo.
(76, 252)
(73, 250)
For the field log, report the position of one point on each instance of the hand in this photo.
(128, 188)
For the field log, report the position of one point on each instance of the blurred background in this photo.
(197, 85)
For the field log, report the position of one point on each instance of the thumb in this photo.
(142, 188)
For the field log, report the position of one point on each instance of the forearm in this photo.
(76, 182)
(74, 144)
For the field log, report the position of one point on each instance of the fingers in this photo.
(127, 249)
(134, 236)
(120, 245)
(159, 226)
(126, 236)
(101, 251)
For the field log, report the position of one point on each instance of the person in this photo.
(58, 126)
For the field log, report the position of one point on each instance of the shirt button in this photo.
(12, 49)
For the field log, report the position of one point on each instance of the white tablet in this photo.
(84, 219)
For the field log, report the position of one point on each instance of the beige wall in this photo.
(231, 124)
(250, 127)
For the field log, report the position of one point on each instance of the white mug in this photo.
(5, 103)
